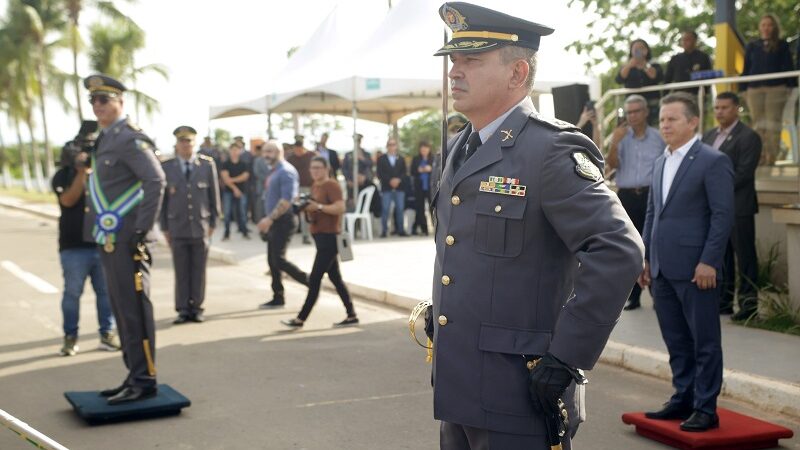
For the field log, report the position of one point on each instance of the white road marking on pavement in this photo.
(290, 334)
(37, 283)
(363, 399)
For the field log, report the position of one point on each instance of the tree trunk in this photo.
(76, 79)
(38, 174)
(48, 152)
(5, 181)
(23, 158)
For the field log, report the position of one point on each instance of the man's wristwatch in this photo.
(319, 207)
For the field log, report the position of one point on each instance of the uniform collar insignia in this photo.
(507, 134)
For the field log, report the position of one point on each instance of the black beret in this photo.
(478, 29)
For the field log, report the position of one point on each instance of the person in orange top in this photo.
(324, 213)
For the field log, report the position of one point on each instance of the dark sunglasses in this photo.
(103, 99)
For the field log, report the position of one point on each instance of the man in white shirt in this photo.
(688, 222)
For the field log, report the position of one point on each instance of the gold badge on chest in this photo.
(504, 186)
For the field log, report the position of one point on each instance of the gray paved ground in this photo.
(253, 385)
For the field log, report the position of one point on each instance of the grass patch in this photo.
(779, 323)
(29, 196)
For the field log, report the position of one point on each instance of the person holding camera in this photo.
(639, 72)
(635, 146)
(126, 187)
(79, 258)
(324, 214)
(281, 188)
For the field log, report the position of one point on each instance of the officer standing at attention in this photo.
(188, 218)
(535, 256)
(126, 187)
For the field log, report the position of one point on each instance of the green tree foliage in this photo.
(660, 24)
(222, 137)
(425, 126)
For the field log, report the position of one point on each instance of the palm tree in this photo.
(31, 21)
(74, 9)
(113, 51)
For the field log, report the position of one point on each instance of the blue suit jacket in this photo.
(694, 223)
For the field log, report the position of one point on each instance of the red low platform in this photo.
(736, 432)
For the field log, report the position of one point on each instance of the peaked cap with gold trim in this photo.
(103, 84)
(478, 29)
(184, 131)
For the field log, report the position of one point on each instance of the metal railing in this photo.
(604, 120)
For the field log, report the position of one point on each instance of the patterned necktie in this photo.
(187, 170)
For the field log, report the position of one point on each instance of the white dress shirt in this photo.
(671, 165)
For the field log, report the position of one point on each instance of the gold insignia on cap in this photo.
(469, 44)
(454, 19)
(95, 82)
(585, 168)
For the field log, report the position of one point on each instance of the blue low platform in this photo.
(94, 408)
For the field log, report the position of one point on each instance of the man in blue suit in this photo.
(689, 219)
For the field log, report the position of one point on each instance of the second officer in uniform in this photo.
(125, 187)
(188, 218)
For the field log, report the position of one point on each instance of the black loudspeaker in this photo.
(568, 101)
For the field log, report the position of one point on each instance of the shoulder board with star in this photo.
(205, 158)
(553, 123)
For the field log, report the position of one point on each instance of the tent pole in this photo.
(269, 124)
(355, 157)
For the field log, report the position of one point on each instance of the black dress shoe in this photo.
(113, 391)
(198, 318)
(670, 411)
(632, 305)
(132, 394)
(180, 319)
(700, 421)
(293, 323)
(744, 314)
(272, 304)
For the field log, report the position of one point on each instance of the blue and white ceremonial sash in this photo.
(109, 217)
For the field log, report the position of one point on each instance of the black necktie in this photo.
(188, 170)
(473, 142)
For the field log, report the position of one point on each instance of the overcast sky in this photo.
(224, 52)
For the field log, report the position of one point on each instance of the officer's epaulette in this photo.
(552, 122)
(207, 158)
(132, 125)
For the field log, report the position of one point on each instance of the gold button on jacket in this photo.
(498, 208)
(455, 200)
(442, 320)
(450, 240)
(445, 280)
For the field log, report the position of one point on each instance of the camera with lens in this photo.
(84, 142)
(301, 203)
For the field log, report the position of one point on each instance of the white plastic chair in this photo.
(362, 212)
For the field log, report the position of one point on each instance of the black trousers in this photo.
(741, 251)
(420, 220)
(325, 262)
(634, 200)
(461, 437)
(278, 238)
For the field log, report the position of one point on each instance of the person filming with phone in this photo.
(639, 72)
(635, 146)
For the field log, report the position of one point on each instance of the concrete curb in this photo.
(764, 393)
(214, 253)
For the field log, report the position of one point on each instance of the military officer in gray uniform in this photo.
(535, 256)
(188, 218)
(125, 188)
